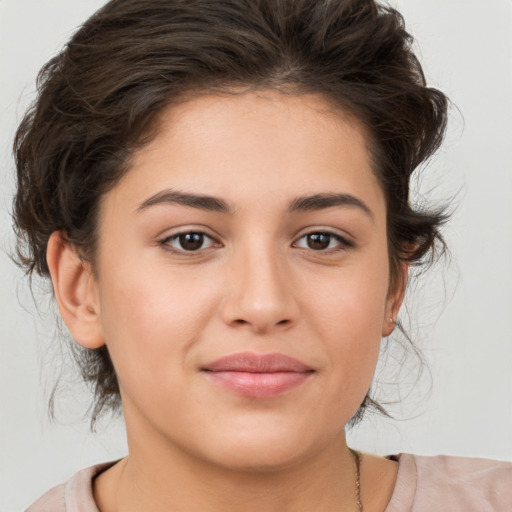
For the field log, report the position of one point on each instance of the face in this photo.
(242, 279)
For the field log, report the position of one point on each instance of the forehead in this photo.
(254, 146)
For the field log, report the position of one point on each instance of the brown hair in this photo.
(99, 98)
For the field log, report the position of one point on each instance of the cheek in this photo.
(353, 301)
(348, 316)
(150, 321)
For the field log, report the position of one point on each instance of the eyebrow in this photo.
(202, 202)
(324, 201)
(210, 203)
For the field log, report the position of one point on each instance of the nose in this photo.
(260, 294)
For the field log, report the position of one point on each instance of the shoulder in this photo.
(51, 501)
(464, 470)
(75, 495)
(458, 483)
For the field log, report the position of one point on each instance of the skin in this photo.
(256, 284)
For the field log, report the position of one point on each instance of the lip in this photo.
(258, 375)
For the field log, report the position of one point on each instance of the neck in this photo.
(172, 479)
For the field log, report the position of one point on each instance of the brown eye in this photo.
(191, 241)
(318, 241)
(188, 242)
(323, 241)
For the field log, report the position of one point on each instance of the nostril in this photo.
(241, 321)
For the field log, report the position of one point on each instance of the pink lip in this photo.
(258, 375)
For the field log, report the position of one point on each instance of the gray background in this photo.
(462, 311)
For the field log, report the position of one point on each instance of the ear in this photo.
(394, 300)
(76, 292)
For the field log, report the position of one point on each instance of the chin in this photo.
(268, 451)
(259, 459)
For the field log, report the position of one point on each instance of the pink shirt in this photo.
(424, 484)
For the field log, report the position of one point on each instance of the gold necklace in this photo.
(357, 466)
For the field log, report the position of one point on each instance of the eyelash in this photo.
(166, 242)
(342, 243)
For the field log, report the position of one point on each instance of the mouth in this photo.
(258, 375)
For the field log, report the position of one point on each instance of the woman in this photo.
(219, 192)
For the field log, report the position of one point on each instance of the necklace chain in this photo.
(357, 466)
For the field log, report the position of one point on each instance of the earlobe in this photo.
(394, 300)
(75, 290)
